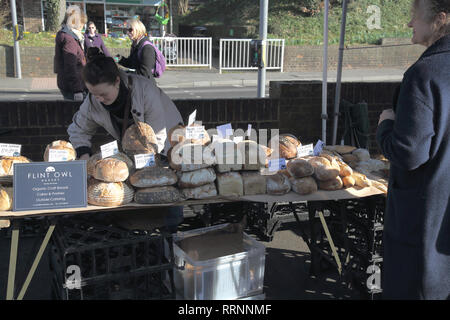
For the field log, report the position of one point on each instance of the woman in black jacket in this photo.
(142, 57)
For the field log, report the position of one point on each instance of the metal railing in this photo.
(185, 52)
(234, 54)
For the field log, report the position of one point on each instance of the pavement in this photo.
(189, 78)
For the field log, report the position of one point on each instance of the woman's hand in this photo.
(387, 114)
(84, 157)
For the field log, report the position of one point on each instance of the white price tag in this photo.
(11, 150)
(144, 160)
(109, 149)
(191, 119)
(277, 164)
(58, 155)
(238, 139)
(318, 147)
(225, 130)
(249, 130)
(306, 150)
(197, 132)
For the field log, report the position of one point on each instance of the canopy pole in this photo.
(337, 97)
(325, 75)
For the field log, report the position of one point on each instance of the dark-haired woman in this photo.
(416, 140)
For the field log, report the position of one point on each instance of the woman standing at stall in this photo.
(93, 39)
(142, 57)
(416, 140)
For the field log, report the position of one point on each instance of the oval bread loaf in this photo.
(348, 181)
(7, 164)
(331, 185)
(108, 194)
(287, 146)
(166, 194)
(278, 184)
(341, 149)
(196, 178)
(361, 180)
(305, 185)
(149, 177)
(202, 192)
(299, 168)
(186, 156)
(6, 198)
(139, 138)
(61, 145)
(324, 169)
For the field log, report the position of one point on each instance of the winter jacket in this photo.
(95, 41)
(149, 104)
(69, 61)
(144, 62)
(416, 261)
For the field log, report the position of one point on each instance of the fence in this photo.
(235, 54)
(185, 52)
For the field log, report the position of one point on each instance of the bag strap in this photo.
(127, 108)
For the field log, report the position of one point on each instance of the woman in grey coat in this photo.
(416, 139)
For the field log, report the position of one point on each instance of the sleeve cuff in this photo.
(83, 150)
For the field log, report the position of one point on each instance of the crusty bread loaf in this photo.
(61, 145)
(351, 160)
(299, 168)
(361, 180)
(7, 164)
(202, 192)
(178, 134)
(186, 156)
(228, 156)
(287, 145)
(6, 198)
(324, 169)
(340, 149)
(253, 155)
(96, 161)
(345, 169)
(278, 184)
(139, 138)
(108, 194)
(166, 194)
(5, 223)
(111, 170)
(254, 182)
(332, 184)
(305, 185)
(230, 184)
(196, 178)
(348, 181)
(362, 154)
(149, 177)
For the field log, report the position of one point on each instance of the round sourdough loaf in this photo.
(331, 185)
(61, 145)
(153, 177)
(202, 192)
(6, 198)
(305, 185)
(324, 169)
(299, 168)
(278, 184)
(139, 138)
(115, 168)
(108, 194)
(7, 164)
(287, 145)
(166, 194)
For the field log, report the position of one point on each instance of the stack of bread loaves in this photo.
(254, 157)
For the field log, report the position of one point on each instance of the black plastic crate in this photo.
(114, 263)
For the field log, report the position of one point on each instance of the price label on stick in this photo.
(225, 130)
(306, 150)
(249, 130)
(109, 149)
(57, 155)
(144, 160)
(191, 118)
(197, 132)
(11, 150)
(318, 147)
(277, 164)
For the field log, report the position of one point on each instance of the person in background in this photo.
(69, 55)
(110, 92)
(143, 60)
(416, 139)
(93, 39)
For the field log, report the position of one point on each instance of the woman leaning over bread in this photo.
(416, 140)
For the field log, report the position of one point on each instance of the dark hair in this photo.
(93, 52)
(432, 8)
(100, 69)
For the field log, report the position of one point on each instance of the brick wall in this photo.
(35, 124)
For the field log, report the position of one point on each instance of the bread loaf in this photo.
(348, 181)
(361, 154)
(6, 198)
(166, 194)
(61, 145)
(305, 185)
(115, 168)
(351, 160)
(196, 178)
(178, 134)
(7, 164)
(108, 194)
(299, 168)
(361, 180)
(228, 156)
(340, 149)
(5, 224)
(230, 184)
(139, 138)
(287, 145)
(186, 156)
(96, 159)
(332, 184)
(345, 169)
(278, 184)
(202, 192)
(254, 183)
(149, 177)
(324, 169)
(253, 155)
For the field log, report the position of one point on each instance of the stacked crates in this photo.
(92, 260)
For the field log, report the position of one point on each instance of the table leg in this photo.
(330, 241)
(12, 262)
(36, 262)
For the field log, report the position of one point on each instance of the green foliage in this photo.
(52, 22)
